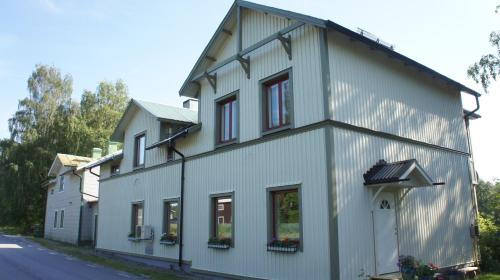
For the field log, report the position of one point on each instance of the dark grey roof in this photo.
(384, 172)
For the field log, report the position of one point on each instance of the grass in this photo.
(89, 255)
(489, 276)
(10, 230)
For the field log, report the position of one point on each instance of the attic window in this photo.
(139, 150)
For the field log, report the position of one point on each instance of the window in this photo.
(167, 130)
(61, 223)
(137, 216)
(227, 119)
(55, 219)
(277, 102)
(170, 218)
(139, 150)
(285, 215)
(61, 183)
(115, 170)
(52, 191)
(222, 217)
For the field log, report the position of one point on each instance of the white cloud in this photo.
(50, 6)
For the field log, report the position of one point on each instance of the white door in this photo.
(386, 239)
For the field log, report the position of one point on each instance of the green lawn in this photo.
(10, 230)
(489, 276)
(88, 254)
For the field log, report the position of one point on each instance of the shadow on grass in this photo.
(88, 254)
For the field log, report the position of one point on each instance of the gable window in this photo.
(277, 102)
(227, 119)
(137, 218)
(61, 223)
(139, 150)
(167, 130)
(55, 219)
(61, 183)
(170, 220)
(115, 170)
(284, 218)
(222, 229)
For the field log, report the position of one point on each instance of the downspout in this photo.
(95, 174)
(181, 218)
(81, 208)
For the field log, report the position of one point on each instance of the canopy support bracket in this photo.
(286, 42)
(212, 80)
(245, 64)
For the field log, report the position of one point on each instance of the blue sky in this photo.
(152, 45)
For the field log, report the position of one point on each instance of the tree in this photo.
(488, 198)
(48, 122)
(487, 69)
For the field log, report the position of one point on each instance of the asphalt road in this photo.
(21, 259)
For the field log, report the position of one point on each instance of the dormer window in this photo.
(139, 150)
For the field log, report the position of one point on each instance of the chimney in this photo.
(112, 147)
(96, 153)
(191, 104)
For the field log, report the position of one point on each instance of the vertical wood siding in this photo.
(248, 172)
(432, 222)
(371, 90)
(69, 200)
(264, 62)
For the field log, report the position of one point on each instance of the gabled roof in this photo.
(66, 160)
(114, 156)
(157, 110)
(189, 88)
(397, 172)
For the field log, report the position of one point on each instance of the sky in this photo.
(152, 45)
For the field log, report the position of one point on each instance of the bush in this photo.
(489, 245)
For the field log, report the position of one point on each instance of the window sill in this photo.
(219, 246)
(275, 130)
(227, 143)
(138, 167)
(283, 249)
(168, 243)
(134, 239)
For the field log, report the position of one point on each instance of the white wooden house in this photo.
(72, 199)
(334, 153)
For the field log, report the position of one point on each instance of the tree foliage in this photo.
(487, 69)
(488, 197)
(48, 122)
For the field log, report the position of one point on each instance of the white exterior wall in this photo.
(91, 184)
(373, 91)
(247, 172)
(432, 222)
(69, 201)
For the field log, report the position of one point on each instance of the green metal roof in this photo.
(167, 112)
(161, 112)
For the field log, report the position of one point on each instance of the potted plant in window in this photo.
(284, 245)
(219, 243)
(168, 239)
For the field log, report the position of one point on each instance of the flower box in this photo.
(284, 246)
(216, 243)
(218, 246)
(168, 239)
